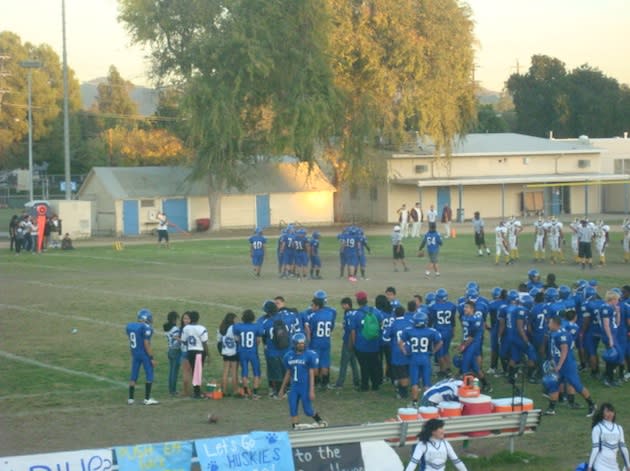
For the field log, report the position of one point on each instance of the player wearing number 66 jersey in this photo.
(139, 334)
(420, 343)
(248, 334)
(319, 327)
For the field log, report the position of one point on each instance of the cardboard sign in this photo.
(257, 451)
(346, 457)
(174, 456)
(84, 460)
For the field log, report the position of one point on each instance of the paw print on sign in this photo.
(213, 466)
(272, 438)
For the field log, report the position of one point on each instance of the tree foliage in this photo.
(140, 147)
(582, 101)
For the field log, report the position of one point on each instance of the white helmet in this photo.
(396, 228)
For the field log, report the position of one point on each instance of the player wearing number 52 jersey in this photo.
(139, 334)
(442, 318)
(420, 343)
(248, 334)
(319, 327)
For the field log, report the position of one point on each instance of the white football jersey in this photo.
(194, 336)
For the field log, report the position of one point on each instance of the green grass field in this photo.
(64, 391)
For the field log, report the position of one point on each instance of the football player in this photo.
(472, 344)
(316, 262)
(501, 244)
(319, 327)
(540, 232)
(442, 318)
(574, 226)
(139, 334)
(514, 228)
(257, 244)
(301, 253)
(625, 227)
(555, 240)
(399, 361)
(601, 240)
(301, 365)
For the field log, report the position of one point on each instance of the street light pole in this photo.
(66, 125)
(30, 65)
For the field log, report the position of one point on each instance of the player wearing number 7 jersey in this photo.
(248, 336)
(420, 343)
(319, 327)
(139, 334)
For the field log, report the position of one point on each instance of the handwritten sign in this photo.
(345, 457)
(84, 460)
(173, 456)
(257, 451)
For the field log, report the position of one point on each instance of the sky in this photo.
(509, 32)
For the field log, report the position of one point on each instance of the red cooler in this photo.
(479, 405)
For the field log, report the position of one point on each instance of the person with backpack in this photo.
(365, 339)
(432, 451)
(319, 327)
(277, 343)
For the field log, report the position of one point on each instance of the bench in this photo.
(508, 424)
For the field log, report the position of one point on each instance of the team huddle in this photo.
(549, 240)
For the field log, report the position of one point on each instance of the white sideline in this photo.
(61, 369)
(45, 312)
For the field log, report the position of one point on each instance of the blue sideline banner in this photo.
(85, 460)
(174, 456)
(257, 451)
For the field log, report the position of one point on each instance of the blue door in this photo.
(443, 197)
(131, 224)
(263, 213)
(177, 213)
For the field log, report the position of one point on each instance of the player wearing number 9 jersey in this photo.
(420, 343)
(139, 334)
(248, 336)
(319, 327)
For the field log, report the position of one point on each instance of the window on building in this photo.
(622, 166)
(147, 203)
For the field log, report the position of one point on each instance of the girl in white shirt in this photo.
(226, 343)
(432, 451)
(607, 438)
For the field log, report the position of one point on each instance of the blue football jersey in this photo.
(138, 332)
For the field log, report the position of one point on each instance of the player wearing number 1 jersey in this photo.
(420, 343)
(248, 335)
(139, 334)
(319, 327)
(257, 250)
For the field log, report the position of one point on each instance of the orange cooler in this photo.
(450, 409)
(508, 404)
(407, 414)
(427, 413)
(477, 406)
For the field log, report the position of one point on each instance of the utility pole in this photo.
(66, 125)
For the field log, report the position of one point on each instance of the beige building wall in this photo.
(76, 217)
(103, 211)
(399, 195)
(238, 211)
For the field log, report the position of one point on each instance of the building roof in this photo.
(507, 144)
(555, 179)
(151, 182)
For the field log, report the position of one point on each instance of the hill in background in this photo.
(146, 98)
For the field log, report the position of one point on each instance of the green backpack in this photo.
(371, 328)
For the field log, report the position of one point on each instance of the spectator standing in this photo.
(416, 217)
(172, 333)
(432, 214)
(365, 339)
(348, 356)
(447, 216)
(403, 220)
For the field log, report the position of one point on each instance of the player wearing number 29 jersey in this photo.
(139, 334)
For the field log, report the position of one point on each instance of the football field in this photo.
(64, 359)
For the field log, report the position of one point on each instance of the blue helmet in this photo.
(513, 296)
(315, 235)
(298, 338)
(258, 230)
(617, 290)
(320, 294)
(548, 367)
(533, 273)
(590, 292)
(441, 295)
(592, 283)
(472, 293)
(582, 467)
(269, 307)
(429, 298)
(472, 284)
(458, 361)
(145, 315)
(551, 295)
(611, 355)
(550, 383)
(527, 301)
(420, 318)
(564, 292)
(496, 292)
(534, 292)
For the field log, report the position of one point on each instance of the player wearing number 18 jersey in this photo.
(248, 335)
(139, 334)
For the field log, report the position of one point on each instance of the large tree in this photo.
(292, 76)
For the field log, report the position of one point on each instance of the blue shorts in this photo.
(538, 339)
(288, 257)
(136, 362)
(301, 258)
(316, 261)
(518, 349)
(494, 339)
(420, 370)
(447, 337)
(591, 343)
(299, 392)
(323, 353)
(569, 374)
(258, 259)
(362, 260)
(469, 360)
(351, 258)
(247, 358)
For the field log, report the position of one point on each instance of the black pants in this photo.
(371, 370)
